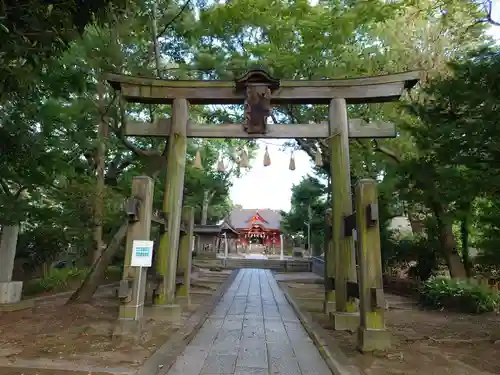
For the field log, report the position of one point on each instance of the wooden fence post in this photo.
(372, 333)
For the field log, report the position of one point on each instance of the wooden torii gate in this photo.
(259, 91)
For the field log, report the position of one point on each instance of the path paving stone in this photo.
(252, 331)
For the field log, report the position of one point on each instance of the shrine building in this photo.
(256, 226)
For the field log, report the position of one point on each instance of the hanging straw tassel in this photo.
(318, 160)
(197, 160)
(292, 163)
(267, 159)
(244, 159)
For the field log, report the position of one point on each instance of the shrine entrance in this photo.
(256, 235)
(257, 227)
(354, 298)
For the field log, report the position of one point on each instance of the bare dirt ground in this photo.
(27, 371)
(424, 342)
(65, 338)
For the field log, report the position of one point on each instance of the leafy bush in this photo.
(113, 273)
(58, 280)
(400, 251)
(401, 286)
(41, 245)
(459, 295)
(488, 228)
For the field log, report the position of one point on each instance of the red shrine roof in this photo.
(255, 219)
(244, 218)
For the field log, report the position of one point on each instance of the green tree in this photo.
(33, 32)
(300, 41)
(57, 176)
(458, 131)
(308, 205)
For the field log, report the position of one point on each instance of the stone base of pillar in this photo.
(17, 306)
(328, 307)
(370, 340)
(11, 292)
(171, 313)
(10, 297)
(343, 321)
(183, 301)
(131, 312)
(128, 328)
(329, 302)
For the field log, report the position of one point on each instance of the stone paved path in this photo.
(252, 331)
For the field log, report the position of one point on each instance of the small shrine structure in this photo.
(257, 226)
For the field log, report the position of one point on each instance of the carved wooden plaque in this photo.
(257, 109)
(258, 86)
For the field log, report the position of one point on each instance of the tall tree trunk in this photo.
(329, 192)
(8, 244)
(417, 226)
(96, 275)
(154, 36)
(204, 218)
(448, 243)
(204, 207)
(100, 181)
(449, 248)
(464, 236)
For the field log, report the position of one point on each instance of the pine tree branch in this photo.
(489, 19)
(306, 147)
(165, 28)
(382, 149)
(20, 191)
(387, 152)
(136, 150)
(115, 168)
(5, 187)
